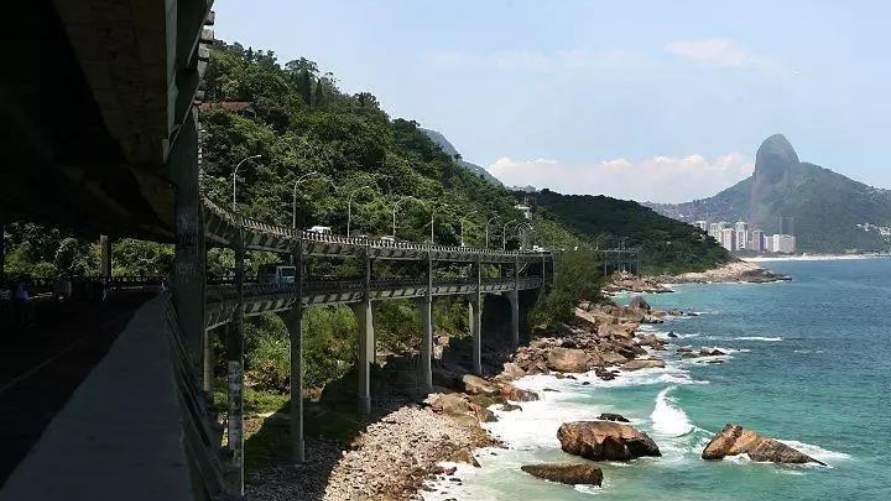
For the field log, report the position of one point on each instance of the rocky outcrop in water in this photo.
(605, 440)
(566, 473)
(733, 440)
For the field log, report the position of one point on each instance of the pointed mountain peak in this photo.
(777, 149)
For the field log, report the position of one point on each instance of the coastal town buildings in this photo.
(739, 237)
(742, 235)
(728, 239)
(756, 241)
(782, 244)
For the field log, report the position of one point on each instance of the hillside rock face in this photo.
(826, 211)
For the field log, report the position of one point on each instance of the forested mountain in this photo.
(831, 212)
(450, 150)
(667, 245)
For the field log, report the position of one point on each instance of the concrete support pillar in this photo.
(514, 299)
(295, 331)
(105, 259)
(189, 274)
(207, 372)
(476, 313)
(366, 342)
(425, 304)
(2, 252)
(235, 380)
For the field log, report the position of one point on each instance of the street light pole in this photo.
(235, 177)
(294, 196)
(527, 226)
(350, 206)
(396, 208)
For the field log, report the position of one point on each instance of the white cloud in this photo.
(657, 179)
(724, 53)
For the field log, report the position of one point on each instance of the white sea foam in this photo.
(668, 418)
(817, 452)
(760, 338)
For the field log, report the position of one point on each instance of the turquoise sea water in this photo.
(811, 365)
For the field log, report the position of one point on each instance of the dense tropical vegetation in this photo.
(322, 155)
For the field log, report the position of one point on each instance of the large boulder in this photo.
(643, 363)
(733, 440)
(459, 406)
(609, 416)
(512, 371)
(566, 473)
(511, 392)
(567, 360)
(638, 303)
(475, 385)
(613, 358)
(605, 440)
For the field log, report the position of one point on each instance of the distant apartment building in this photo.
(756, 241)
(715, 229)
(781, 243)
(702, 225)
(742, 235)
(728, 239)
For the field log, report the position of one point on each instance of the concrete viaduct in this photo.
(100, 137)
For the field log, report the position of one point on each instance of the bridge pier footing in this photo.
(366, 353)
(425, 305)
(514, 299)
(295, 330)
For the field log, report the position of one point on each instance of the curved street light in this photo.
(235, 177)
(504, 233)
(527, 225)
(297, 183)
(488, 222)
(350, 205)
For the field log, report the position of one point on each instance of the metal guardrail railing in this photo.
(251, 224)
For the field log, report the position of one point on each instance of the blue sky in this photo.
(663, 101)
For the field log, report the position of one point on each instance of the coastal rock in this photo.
(638, 303)
(567, 360)
(734, 439)
(475, 385)
(613, 358)
(609, 416)
(511, 392)
(509, 407)
(512, 371)
(775, 451)
(464, 455)
(566, 473)
(605, 440)
(643, 363)
(672, 335)
(711, 352)
(650, 340)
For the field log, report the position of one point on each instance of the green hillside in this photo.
(667, 245)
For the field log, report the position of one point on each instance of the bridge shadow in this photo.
(333, 422)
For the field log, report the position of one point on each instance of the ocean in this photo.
(809, 364)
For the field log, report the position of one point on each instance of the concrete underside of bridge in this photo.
(93, 97)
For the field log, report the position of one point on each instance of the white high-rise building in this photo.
(728, 239)
(715, 229)
(742, 235)
(702, 225)
(782, 244)
(756, 241)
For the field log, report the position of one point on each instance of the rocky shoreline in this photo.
(736, 271)
(400, 454)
